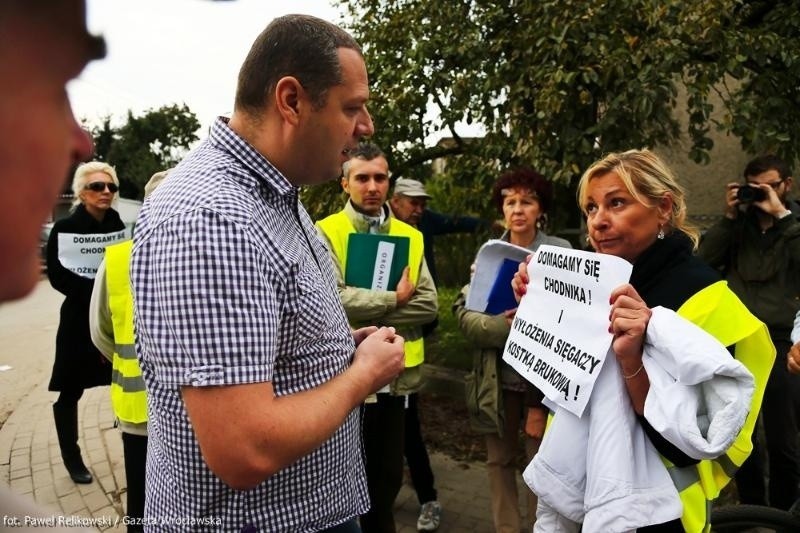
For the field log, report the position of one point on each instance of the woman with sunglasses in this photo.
(74, 251)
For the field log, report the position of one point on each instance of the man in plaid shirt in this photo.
(252, 372)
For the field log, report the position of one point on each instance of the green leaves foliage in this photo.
(556, 83)
(145, 144)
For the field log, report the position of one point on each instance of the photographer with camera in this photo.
(757, 247)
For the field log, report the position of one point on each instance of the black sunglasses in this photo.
(100, 186)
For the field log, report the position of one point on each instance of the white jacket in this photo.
(601, 470)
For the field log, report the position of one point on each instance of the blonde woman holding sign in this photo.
(501, 403)
(74, 251)
(635, 209)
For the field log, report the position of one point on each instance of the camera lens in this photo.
(748, 194)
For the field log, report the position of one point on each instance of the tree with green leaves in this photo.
(556, 83)
(145, 144)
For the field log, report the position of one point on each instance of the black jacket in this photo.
(761, 267)
(78, 364)
(667, 274)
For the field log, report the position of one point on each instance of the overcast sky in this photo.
(174, 51)
(163, 52)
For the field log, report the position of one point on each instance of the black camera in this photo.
(748, 194)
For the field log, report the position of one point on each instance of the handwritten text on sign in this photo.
(559, 337)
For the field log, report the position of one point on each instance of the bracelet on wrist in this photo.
(635, 373)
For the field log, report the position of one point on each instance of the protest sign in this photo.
(559, 336)
(81, 254)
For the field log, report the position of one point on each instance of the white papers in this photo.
(560, 337)
(487, 265)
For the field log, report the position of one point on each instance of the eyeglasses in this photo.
(774, 184)
(100, 186)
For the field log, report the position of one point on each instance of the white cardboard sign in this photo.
(559, 337)
(81, 254)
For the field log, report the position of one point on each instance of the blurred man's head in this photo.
(43, 45)
(409, 200)
(365, 177)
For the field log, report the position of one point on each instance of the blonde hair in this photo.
(648, 180)
(81, 177)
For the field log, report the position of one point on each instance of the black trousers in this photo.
(134, 448)
(779, 413)
(68, 399)
(383, 447)
(419, 464)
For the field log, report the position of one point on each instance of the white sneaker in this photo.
(429, 516)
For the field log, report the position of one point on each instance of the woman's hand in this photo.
(629, 318)
(535, 422)
(793, 359)
(509, 316)
(520, 280)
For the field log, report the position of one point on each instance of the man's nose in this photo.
(82, 144)
(365, 127)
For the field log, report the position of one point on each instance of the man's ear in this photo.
(788, 181)
(345, 184)
(289, 95)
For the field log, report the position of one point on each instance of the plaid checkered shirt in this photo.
(233, 286)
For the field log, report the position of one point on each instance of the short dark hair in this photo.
(302, 46)
(366, 151)
(765, 163)
(523, 178)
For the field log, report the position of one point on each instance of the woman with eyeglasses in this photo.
(74, 251)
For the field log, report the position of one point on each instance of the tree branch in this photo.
(428, 155)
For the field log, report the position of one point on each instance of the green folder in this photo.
(375, 261)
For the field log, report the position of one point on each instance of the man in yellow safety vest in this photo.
(408, 305)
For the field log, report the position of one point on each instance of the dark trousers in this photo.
(779, 413)
(65, 412)
(383, 449)
(419, 465)
(68, 399)
(134, 448)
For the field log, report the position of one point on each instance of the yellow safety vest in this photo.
(338, 228)
(718, 311)
(128, 397)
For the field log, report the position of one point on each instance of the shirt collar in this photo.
(224, 138)
(361, 222)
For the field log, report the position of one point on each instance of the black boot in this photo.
(66, 417)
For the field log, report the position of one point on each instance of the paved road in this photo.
(29, 457)
(27, 344)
